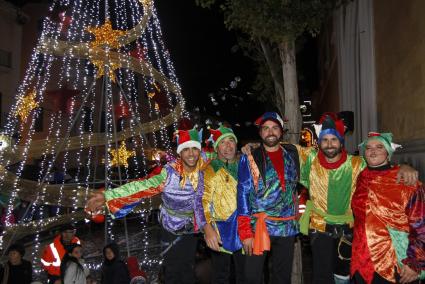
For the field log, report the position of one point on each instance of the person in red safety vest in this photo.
(54, 252)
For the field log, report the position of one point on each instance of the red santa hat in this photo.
(188, 138)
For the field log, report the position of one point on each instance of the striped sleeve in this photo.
(121, 200)
(306, 156)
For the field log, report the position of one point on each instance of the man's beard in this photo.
(271, 142)
(331, 152)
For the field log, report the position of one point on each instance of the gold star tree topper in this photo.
(121, 155)
(25, 105)
(105, 35)
(145, 2)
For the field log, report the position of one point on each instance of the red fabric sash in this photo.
(261, 237)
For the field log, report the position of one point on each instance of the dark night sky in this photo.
(201, 50)
(200, 47)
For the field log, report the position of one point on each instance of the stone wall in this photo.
(327, 97)
(400, 73)
(400, 67)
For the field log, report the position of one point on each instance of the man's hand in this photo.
(96, 202)
(247, 149)
(407, 275)
(58, 281)
(248, 245)
(408, 174)
(211, 238)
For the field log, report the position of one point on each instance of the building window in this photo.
(5, 58)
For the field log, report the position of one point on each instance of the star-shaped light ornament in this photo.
(105, 35)
(121, 155)
(145, 2)
(25, 105)
(111, 66)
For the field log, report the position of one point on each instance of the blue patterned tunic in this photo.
(264, 194)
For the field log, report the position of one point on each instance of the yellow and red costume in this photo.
(389, 225)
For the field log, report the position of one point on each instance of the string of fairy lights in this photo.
(72, 33)
(145, 45)
(99, 81)
(129, 86)
(130, 89)
(42, 208)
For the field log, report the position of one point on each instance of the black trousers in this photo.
(377, 279)
(179, 260)
(326, 260)
(222, 264)
(282, 254)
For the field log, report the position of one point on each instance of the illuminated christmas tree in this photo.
(98, 101)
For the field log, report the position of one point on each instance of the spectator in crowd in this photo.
(16, 269)
(137, 275)
(72, 268)
(114, 270)
(55, 251)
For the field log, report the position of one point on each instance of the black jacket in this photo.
(114, 271)
(21, 274)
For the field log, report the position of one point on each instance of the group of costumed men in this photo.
(247, 207)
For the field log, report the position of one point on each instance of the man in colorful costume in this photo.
(389, 224)
(219, 202)
(181, 185)
(330, 174)
(267, 198)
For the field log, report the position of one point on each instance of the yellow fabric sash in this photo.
(305, 217)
